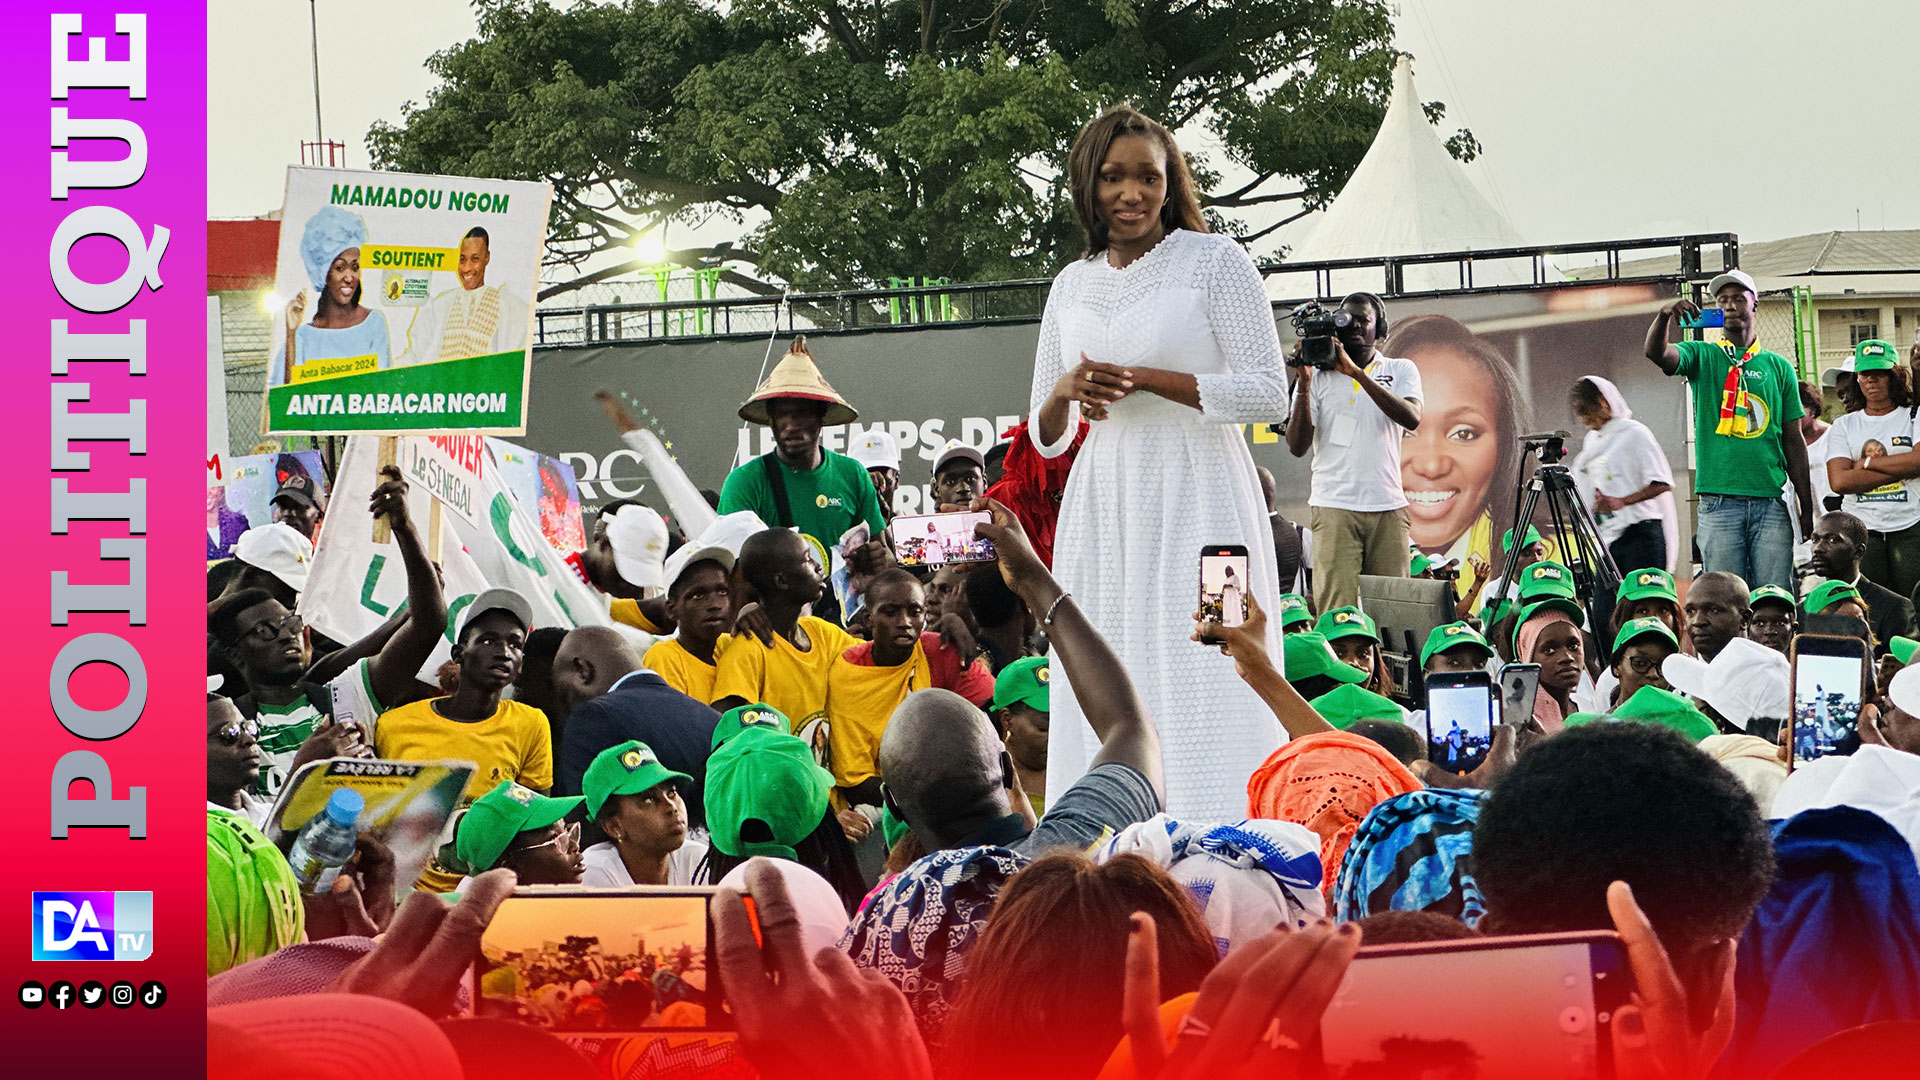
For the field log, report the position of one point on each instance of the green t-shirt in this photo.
(826, 502)
(1753, 465)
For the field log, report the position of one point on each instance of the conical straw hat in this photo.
(795, 376)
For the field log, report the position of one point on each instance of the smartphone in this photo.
(604, 962)
(1709, 316)
(1540, 1005)
(1223, 584)
(1460, 717)
(940, 539)
(1518, 685)
(1829, 676)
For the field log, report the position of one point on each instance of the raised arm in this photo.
(1247, 645)
(392, 670)
(1658, 349)
(1107, 696)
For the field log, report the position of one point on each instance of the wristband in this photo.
(1047, 623)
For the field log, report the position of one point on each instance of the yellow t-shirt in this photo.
(780, 675)
(684, 671)
(628, 612)
(860, 701)
(512, 744)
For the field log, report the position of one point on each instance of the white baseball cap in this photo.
(720, 543)
(1746, 682)
(1732, 277)
(496, 599)
(280, 550)
(639, 539)
(958, 451)
(1904, 690)
(875, 450)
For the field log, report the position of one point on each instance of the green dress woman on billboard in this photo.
(341, 329)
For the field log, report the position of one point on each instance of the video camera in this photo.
(1550, 445)
(1317, 328)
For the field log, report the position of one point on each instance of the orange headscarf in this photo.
(1327, 781)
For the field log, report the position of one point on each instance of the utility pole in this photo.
(313, 22)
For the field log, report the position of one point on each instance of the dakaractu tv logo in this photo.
(92, 925)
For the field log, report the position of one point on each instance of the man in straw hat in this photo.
(801, 483)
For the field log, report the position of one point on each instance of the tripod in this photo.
(1595, 578)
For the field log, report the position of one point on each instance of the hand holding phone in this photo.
(1519, 683)
(940, 539)
(1460, 713)
(1224, 572)
(1829, 683)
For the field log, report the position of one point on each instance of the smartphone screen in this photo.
(1460, 707)
(1710, 316)
(601, 961)
(1828, 674)
(1518, 685)
(1223, 584)
(1530, 1006)
(939, 539)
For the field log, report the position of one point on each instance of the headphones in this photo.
(1379, 311)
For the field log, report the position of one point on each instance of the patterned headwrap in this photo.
(1327, 781)
(328, 233)
(1414, 852)
(1247, 877)
(918, 931)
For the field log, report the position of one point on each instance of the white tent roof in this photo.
(1408, 197)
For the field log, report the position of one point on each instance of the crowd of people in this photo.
(1048, 813)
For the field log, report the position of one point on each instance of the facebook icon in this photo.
(92, 925)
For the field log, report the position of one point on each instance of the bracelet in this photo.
(1047, 622)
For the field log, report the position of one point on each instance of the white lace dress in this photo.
(1154, 483)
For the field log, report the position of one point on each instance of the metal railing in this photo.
(973, 303)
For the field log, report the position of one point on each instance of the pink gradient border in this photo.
(159, 752)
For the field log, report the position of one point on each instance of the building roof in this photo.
(1865, 253)
(1410, 197)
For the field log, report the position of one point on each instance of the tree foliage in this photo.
(860, 141)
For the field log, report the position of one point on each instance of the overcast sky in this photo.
(1601, 120)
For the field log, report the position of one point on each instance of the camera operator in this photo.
(1352, 406)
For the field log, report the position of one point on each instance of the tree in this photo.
(891, 138)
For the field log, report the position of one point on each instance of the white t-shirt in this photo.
(604, 870)
(1356, 449)
(1627, 460)
(1891, 507)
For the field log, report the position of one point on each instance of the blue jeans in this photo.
(1747, 536)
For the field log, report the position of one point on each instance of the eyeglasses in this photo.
(232, 733)
(566, 841)
(1643, 665)
(269, 632)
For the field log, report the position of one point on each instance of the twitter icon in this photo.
(92, 994)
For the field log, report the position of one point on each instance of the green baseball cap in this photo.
(1770, 592)
(1545, 578)
(1026, 681)
(1874, 355)
(1294, 611)
(627, 769)
(1903, 649)
(1531, 537)
(1828, 593)
(1346, 622)
(758, 715)
(764, 783)
(1652, 705)
(1639, 628)
(1307, 654)
(495, 818)
(1347, 705)
(1647, 585)
(892, 829)
(1452, 636)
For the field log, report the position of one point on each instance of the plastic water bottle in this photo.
(326, 844)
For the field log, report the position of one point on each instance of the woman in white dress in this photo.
(1162, 336)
